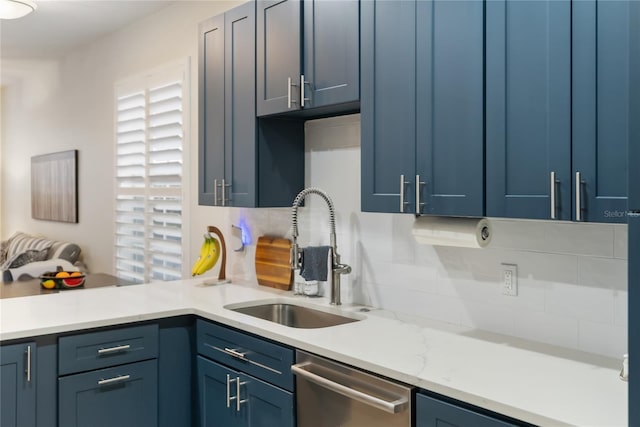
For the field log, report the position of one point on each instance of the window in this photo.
(150, 136)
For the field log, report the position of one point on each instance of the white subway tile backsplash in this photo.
(606, 273)
(620, 308)
(606, 339)
(579, 238)
(620, 241)
(488, 317)
(580, 302)
(546, 327)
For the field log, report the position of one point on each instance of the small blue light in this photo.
(246, 233)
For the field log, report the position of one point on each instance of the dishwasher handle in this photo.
(392, 407)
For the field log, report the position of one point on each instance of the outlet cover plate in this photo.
(510, 279)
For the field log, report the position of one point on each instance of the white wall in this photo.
(572, 277)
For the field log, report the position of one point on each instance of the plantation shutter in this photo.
(150, 130)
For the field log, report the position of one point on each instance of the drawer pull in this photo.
(28, 364)
(113, 349)
(236, 353)
(114, 379)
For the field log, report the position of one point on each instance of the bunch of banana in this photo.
(209, 254)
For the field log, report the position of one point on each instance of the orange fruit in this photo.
(49, 284)
(62, 274)
(76, 274)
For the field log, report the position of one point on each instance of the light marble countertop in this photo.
(533, 382)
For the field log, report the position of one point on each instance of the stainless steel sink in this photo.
(294, 316)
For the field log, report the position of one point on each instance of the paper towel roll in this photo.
(450, 231)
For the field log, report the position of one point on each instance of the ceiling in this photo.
(57, 27)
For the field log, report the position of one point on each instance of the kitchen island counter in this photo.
(529, 381)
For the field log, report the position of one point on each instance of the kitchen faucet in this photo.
(336, 268)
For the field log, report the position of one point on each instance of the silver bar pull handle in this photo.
(115, 349)
(235, 353)
(554, 182)
(303, 82)
(215, 192)
(403, 203)
(117, 379)
(419, 185)
(229, 398)
(224, 192)
(578, 198)
(28, 370)
(289, 92)
(393, 407)
(238, 400)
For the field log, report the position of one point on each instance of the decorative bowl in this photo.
(50, 281)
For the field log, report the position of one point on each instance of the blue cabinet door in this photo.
(331, 48)
(215, 391)
(278, 56)
(240, 106)
(387, 106)
(266, 405)
(600, 97)
(431, 412)
(450, 107)
(634, 111)
(211, 109)
(230, 398)
(634, 303)
(18, 385)
(528, 109)
(124, 396)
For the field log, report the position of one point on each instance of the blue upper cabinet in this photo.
(244, 162)
(18, 385)
(240, 107)
(422, 107)
(387, 106)
(278, 39)
(211, 144)
(450, 107)
(528, 109)
(307, 55)
(601, 53)
(331, 52)
(634, 111)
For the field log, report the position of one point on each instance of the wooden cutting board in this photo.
(272, 262)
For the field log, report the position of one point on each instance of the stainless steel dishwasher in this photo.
(331, 394)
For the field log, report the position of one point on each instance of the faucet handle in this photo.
(294, 259)
(342, 268)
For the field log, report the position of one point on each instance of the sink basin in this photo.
(292, 315)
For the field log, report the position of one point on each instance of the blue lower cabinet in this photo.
(432, 412)
(125, 395)
(18, 385)
(229, 398)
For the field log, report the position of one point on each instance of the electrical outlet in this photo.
(510, 279)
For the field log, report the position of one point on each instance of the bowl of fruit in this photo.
(62, 280)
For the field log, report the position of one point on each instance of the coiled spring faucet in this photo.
(336, 268)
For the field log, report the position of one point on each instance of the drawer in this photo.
(262, 359)
(123, 396)
(85, 352)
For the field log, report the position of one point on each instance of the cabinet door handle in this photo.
(303, 82)
(117, 379)
(235, 353)
(215, 192)
(229, 398)
(115, 349)
(419, 185)
(402, 185)
(238, 400)
(578, 196)
(554, 182)
(224, 186)
(28, 370)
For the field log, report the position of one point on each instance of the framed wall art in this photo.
(54, 186)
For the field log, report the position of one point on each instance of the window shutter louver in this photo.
(149, 170)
